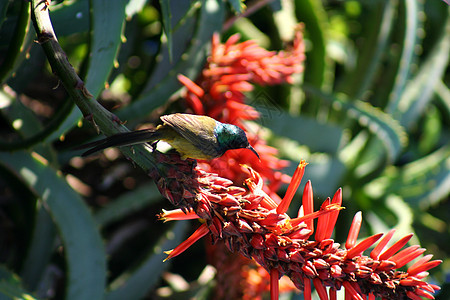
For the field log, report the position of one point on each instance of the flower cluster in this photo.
(238, 277)
(252, 224)
(231, 71)
(219, 92)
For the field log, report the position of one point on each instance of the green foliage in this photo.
(371, 113)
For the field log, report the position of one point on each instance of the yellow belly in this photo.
(184, 147)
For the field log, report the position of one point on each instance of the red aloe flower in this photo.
(238, 277)
(249, 222)
(231, 70)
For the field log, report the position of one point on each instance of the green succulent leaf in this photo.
(71, 17)
(411, 24)
(210, 20)
(11, 286)
(108, 18)
(135, 283)
(419, 91)
(21, 39)
(382, 125)
(423, 182)
(305, 131)
(82, 242)
(126, 204)
(167, 24)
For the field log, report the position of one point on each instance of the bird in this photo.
(192, 136)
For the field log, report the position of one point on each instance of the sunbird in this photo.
(192, 136)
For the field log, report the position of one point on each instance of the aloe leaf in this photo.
(167, 24)
(408, 56)
(183, 33)
(18, 115)
(309, 132)
(11, 286)
(19, 41)
(44, 233)
(377, 36)
(82, 242)
(211, 19)
(108, 18)
(443, 94)
(424, 182)
(3, 9)
(382, 125)
(313, 14)
(419, 91)
(28, 126)
(136, 283)
(108, 21)
(125, 204)
(71, 17)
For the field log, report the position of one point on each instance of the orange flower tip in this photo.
(176, 215)
(337, 198)
(423, 267)
(303, 163)
(396, 247)
(422, 275)
(432, 288)
(435, 287)
(292, 188)
(191, 86)
(327, 209)
(168, 252)
(163, 219)
(245, 167)
(334, 206)
(423, 293)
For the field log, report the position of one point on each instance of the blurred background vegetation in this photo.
(370, 113)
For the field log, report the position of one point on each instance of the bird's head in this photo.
(232, 137)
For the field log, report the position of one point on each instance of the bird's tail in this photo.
(122, 139)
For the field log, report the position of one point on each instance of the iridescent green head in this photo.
(231, 137)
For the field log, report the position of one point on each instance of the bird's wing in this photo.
(199, 130)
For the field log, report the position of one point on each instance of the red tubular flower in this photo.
(253, 223)
(232, 69)
(274, 290)
(354, 231)
(298, 175)
(250, 227)
(198, 234)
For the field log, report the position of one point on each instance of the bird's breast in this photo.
(198, 146)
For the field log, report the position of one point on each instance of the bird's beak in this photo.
(254, 151)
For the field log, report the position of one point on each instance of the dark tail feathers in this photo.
(121, 139)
